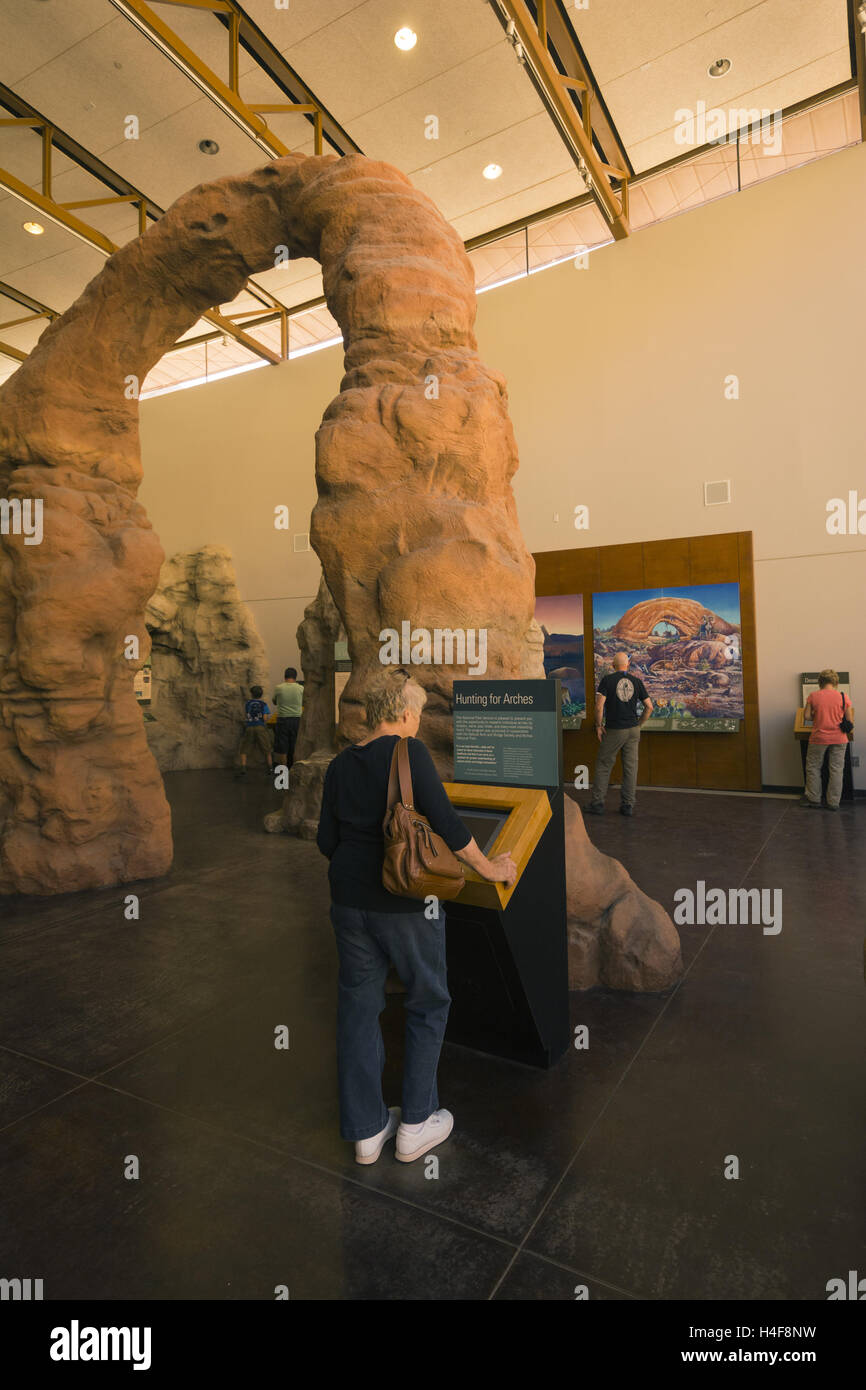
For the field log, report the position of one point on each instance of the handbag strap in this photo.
(400, 777)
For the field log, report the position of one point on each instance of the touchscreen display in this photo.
(483, 825)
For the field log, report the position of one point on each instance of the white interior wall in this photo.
(616, 379)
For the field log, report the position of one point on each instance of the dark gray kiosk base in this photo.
(508, 968)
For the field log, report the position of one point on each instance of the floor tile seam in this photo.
(189, 876)
(95, 1076)
(82, 912)
(315, 1167)
(644, 1041)
(613, 1094)
(167, 1037)
(44, 1106)
(581, 1274)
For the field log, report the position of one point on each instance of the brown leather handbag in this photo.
(418, 863)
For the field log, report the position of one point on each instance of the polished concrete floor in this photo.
(154, 1039)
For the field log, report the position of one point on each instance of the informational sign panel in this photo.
(142, 685)
(508, 732)
(809, 684)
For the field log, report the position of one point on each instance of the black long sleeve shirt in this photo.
(354, 801)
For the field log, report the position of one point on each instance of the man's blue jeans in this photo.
(366, 943)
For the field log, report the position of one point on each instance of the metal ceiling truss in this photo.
(545, 43)
(603, 136)
(37, 310)
(242, 33)
(26, 117)
(857, 38)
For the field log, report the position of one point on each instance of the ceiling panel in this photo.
(87, 68)
(650, 58)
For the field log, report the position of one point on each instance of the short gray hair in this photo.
(389, 695)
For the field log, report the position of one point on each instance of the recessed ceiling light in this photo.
(719, 67)
(34, 228)
(208, 146)
(492, 171)
(405, 38)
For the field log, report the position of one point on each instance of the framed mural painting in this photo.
(560, 617)
(684, 643)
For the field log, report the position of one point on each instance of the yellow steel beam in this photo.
(101, 202)
(215, 6)
(857, 19)
(56, 212)
(7, 350)
(46, 160)
(28, 318)
(225, 95)
(576, 132)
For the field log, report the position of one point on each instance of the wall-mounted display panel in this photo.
(560, 617)
(684, 641)
(705, 758)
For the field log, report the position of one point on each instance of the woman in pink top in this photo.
(826, 707)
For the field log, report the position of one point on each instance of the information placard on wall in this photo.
(508, 732)
(810, 685)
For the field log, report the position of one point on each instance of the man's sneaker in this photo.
(626, 810)
(368, 1150)
(595, 808)
(415, 1140)
(828, 807)
(810, 805)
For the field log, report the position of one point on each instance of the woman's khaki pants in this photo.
(814, 762)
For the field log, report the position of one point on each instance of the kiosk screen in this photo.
(483, 825)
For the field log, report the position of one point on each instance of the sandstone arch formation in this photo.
(637, 624)
(415, 517)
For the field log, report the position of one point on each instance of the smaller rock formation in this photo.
(206, 652)
(617, 936)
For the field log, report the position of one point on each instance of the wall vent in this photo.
(717, 493)
(301, 541)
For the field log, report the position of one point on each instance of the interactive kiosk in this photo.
(507, 947)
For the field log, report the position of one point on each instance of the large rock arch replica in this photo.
(415, 518)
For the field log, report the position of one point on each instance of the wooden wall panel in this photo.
(712, 761)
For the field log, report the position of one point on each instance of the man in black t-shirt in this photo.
(616, 704)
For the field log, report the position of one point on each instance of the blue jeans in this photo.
(366, 943)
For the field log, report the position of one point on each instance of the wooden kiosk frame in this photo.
(529, 812)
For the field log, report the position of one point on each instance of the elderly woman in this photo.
(375, 928)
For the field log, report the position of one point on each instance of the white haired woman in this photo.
(375, 928)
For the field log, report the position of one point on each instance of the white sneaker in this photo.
(368, 1150)
(415, 1140)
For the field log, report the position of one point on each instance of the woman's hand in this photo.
(502, 869)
